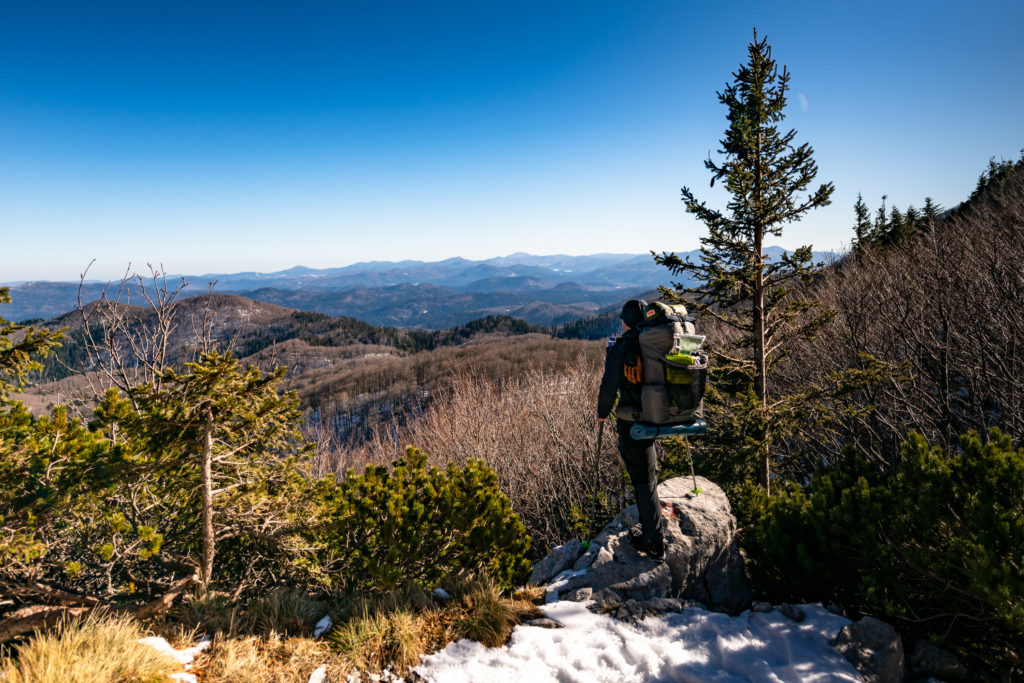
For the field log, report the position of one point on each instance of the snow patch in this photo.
(183, 657)
(695, 645)
(322, 626)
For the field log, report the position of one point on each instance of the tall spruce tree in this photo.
(768, 177)
(862, 226)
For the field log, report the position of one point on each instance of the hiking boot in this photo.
(655, 550)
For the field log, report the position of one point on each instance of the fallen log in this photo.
(34, 589)
(75, 606)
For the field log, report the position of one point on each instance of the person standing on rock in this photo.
(623, 377)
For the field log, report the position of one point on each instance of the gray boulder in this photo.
(556, 562)
(702, 559)
(792, 612)
(874, 648)
(930, 660)
(580, 595)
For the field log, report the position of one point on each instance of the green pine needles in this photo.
(937, 545)
(418, 525)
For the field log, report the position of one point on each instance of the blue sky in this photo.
(230, 136)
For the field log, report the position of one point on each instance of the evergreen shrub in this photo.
(938, 546)
(387, 528)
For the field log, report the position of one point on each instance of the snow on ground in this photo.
(690, 647)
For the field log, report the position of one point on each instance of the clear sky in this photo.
(245, 135)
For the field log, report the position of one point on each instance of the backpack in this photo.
(675, 370)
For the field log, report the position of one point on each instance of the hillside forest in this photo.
(237, 467)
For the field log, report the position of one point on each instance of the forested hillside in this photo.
(351, 377)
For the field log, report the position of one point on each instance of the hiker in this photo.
(623, 377)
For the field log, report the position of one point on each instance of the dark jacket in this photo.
(622, 374)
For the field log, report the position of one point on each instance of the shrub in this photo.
(938, 546)
(412, 524)
(538, 433)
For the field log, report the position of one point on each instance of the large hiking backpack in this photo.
(675, 369)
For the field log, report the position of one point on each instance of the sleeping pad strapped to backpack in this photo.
(674, 369)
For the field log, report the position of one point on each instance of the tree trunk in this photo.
(760, 360)
(206, 566)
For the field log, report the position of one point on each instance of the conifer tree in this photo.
(226, 430)
(768, 177)
(931, 210)
(862, 226)
(18, 358)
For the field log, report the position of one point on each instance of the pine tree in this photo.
(221, 429)
(17, 359)
(881, 226)
(862, 226)
(931, 210)
(24, 475)
(767, 176)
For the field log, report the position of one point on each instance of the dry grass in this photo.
(252, 643)
(487, 617)
(377, 640)
(393, 633)
(269, 659)
(532, 594)
(210, 612)
(103, 649)
(285, 611)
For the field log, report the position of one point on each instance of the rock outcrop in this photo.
(702, 559)
(874, 648)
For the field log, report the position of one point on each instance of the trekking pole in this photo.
(689, 456)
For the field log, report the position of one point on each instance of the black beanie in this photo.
(633, 312)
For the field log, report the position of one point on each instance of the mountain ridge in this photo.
(541, 289)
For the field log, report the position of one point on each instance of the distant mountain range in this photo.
(542, 290)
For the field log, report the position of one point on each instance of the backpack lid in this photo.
(656, 311)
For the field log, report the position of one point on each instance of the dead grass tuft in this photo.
(210, 612)
(377, 640)
(97, 650)
(268, 659)
(284, 610)
(394, 630)
(530, 593)
(488, 617)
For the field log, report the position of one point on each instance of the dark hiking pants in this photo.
(642, 465)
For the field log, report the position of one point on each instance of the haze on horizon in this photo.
(254, 137)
